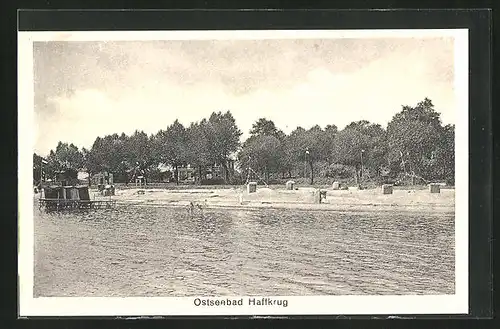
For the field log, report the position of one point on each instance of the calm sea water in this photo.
(169, 252)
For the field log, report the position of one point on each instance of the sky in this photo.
(85, 89)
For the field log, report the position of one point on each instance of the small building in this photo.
(219, 171)
(55, 192)
(83, 177)
(165, 174)
(186, 173)
(102, 178)
(140, 181)
(56, 198)
(64, 178)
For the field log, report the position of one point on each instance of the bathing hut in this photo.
(435, 188)
(66, 192)
(387, 189)
(140, 181)
(319, 195)
(70, 198)
(251, 187)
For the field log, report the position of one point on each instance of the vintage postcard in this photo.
(309, 172)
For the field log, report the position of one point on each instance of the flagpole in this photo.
(41, 172)
(42, 162)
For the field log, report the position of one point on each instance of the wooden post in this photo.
(312, 172)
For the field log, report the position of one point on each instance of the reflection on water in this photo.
(169, 252)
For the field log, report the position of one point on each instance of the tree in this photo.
(282, 162)
(96, 159)
(308, 147)
(262, 154)
(413, 139)
(121, 163)
(442, 162)
(139, 151)
(446, 153)
(287, 161)
(110, 154)
(264, 127)
(86, 154)
(315, 149)
(223, 139)
(197, 148)
(65, 157)
(295, 147)
(360, 144)
(171, 146)
(120, 155)
(37, 168)
(329, 135)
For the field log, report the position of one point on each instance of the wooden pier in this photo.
(68, 204)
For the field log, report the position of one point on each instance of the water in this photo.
(146, 251)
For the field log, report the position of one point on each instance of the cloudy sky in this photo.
(89, 89)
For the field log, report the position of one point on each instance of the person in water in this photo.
(192, 206)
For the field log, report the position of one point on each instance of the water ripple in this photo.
(168, 252)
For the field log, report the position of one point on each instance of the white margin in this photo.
(314, 305)
(461, 53)
(236, 35)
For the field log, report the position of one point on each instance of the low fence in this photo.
(67, 204)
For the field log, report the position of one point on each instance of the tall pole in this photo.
(361, 175)
(248, 170)
(41, 172)
(403, 162)
(305, 162)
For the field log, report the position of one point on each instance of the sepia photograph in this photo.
(243, 172)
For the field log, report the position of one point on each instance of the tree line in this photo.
(415, 147)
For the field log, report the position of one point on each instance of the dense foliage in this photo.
(415, 146)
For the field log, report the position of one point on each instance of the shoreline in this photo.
(296, 207)
(408, 201)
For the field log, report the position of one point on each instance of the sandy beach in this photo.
(301, 198)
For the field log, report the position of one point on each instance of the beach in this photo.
(407, 200)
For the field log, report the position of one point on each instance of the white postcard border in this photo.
(304, 305)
